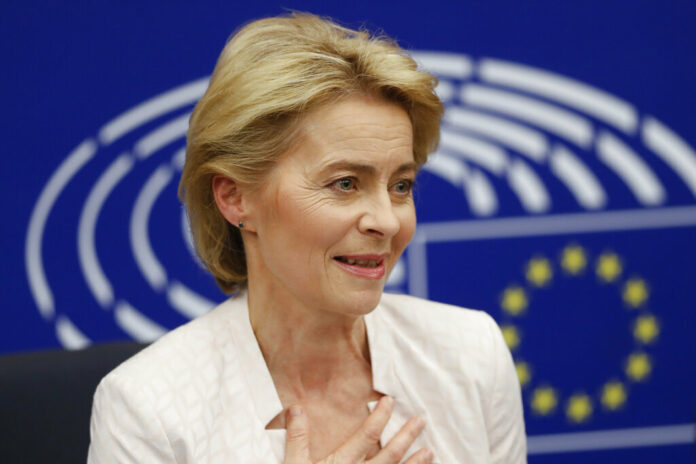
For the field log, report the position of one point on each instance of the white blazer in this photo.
(203, 393)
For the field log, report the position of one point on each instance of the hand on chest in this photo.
(331, 422)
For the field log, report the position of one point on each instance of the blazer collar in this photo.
(253, 366)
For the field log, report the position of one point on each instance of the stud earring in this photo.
(240, 225)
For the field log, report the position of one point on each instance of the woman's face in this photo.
(336, 211)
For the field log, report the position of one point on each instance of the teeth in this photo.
(359, 262)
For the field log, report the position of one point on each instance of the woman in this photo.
(301, 158)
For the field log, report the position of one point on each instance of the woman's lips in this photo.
(365, 266)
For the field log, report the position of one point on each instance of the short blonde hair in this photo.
(271, 73)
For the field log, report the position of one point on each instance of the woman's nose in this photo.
(379, 218)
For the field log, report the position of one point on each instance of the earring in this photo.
(240, 225)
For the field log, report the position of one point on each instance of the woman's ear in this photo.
(230, 199)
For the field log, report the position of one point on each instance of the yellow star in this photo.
(544, 400)
(523, 372)
(638, 367)
(635, 292)
(646, 329)
(613, 395)
(514, 300)
(608, 267)
(573, 259)
(539, 271)
(579, 408)
(511, 336)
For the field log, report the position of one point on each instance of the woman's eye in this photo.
(346, 184)
(403, 186)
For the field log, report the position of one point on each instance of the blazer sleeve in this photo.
(124, 428)
(504, 414)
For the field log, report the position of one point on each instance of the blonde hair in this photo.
(271, 73)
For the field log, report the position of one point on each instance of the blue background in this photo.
(68, 68)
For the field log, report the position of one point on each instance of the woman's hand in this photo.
(356, 449)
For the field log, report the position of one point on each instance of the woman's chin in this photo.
(361, 302)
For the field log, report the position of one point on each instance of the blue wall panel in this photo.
(562, 199)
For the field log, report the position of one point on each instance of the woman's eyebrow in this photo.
(363, 168)
(407, 167)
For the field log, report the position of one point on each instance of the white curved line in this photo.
(397, 276)
(447, 167)
(187, 302)
(145, 258)
(444, 64)
(179, 158)
(593, 101)
(89, 262)
(672, 149)
(520, 138)
(581, 182)
(162, 136)
(188, 237)
(38, 284)
(631, 169)
(528, 187)
(70, 336)
(152, 108)
(137, 325)
(479, 193)
(477, 151)
(482, 198)
(445, 90)
(549, 117)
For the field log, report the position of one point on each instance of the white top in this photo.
(203, 393)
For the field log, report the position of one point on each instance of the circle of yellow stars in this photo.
(634, 291)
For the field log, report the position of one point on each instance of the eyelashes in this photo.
(345, 184)
(402, 187)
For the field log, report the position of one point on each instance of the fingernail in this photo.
(420, 423)
(295, 410)
(388, 400)
(428, 455)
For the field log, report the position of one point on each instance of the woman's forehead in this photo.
(354, 129)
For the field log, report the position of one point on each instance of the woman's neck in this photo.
(308, 349)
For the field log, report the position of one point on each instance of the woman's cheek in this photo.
(311, 204)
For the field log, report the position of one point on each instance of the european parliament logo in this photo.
(561, 209)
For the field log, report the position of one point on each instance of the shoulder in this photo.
(149, 402)
(183, 352)
(424, 317)
(460, 341)
(415, 306)
(463, 352)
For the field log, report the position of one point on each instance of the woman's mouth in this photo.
(358, 262)
(365, 266)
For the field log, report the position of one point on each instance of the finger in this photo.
(296, 436)
(422, 456)
(400, 443)
(369, 433)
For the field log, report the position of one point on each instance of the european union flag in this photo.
(569, 216)
(597, 309)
